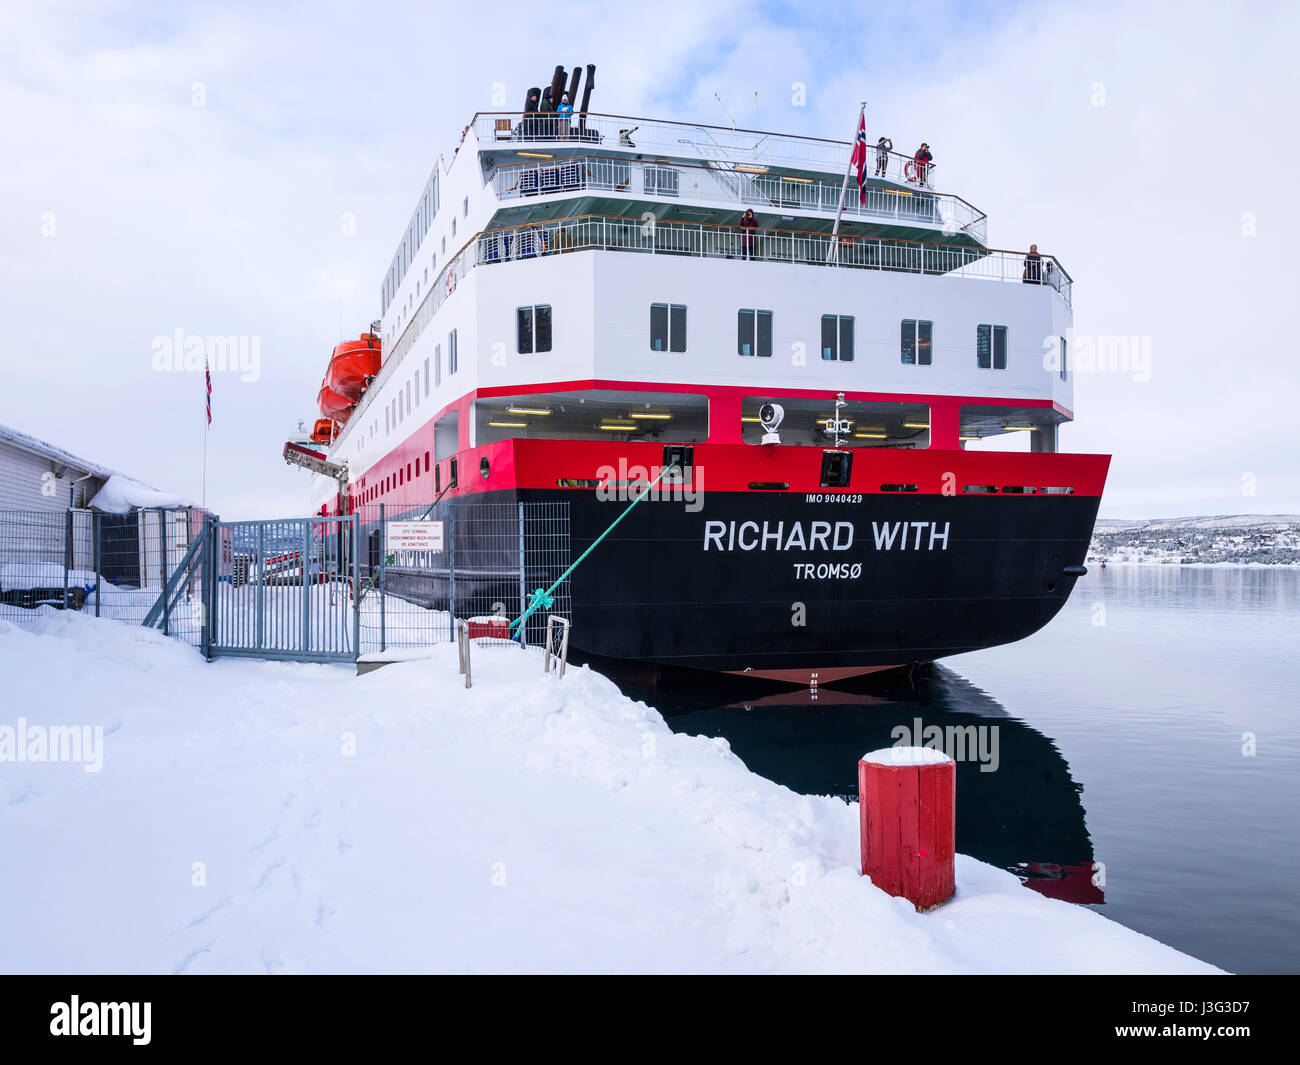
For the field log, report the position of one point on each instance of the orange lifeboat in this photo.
(323, 431)
(333, 405)
(352, 366)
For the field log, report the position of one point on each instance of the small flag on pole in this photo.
(207, 373)
(859, 158)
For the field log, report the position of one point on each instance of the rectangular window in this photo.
(453, 358)
(408, 397)
(437, 361)
(916, 346)
(667, 327)
(754, 332)
(1064, 370)
(387, 427)
(991, 347)
(837, 337)
(533, 329)
(417, 387)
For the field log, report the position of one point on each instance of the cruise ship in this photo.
(582, 304)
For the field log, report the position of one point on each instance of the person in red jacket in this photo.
(923, 159)
(748, 239)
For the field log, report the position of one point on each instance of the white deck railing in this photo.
(600, 232)
(692, 140)
(639, 179)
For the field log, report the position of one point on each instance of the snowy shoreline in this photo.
(284, 817)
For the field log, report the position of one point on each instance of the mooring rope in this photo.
(545, 599)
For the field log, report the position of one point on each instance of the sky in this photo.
(246, 170)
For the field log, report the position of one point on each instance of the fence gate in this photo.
(283, 589)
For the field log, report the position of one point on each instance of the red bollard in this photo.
(907, 804)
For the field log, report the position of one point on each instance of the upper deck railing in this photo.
(641, 178)
(737, 146)
(613, 233)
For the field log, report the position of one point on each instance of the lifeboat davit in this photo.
(332, 405)
(353, 365)
(323, 431)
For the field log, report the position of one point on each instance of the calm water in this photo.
(1119, 733)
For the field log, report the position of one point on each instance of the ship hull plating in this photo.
(810, 587)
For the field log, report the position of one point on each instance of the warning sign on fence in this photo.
(415, 536)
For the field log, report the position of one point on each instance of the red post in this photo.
(907, 804)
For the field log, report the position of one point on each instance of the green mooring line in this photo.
(541, 598)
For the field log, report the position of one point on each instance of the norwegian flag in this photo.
(859, 158)
(207, 373)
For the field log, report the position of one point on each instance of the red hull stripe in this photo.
(728, 465)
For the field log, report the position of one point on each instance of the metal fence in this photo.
(493, 557)
(310, 589)
(107, 565)
(636, 178)
(283, 588)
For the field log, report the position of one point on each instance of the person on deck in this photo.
(883, 147)
(565, 113)
(1033, 271)
(923, 159)
(748, 239)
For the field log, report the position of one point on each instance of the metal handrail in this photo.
(662, 180)
(691, 138)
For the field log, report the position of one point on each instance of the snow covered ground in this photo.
(273, 817)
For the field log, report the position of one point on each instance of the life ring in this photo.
(909, 171)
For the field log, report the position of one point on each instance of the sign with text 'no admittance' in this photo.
(415, 536)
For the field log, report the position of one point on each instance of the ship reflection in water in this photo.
(1017, 805)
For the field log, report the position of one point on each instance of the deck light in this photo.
(797, 180)
(508, 425)
(537, 155)
(652, 415)
(751, 169)
(916, 425)
(871, 436)
(528, 410)
(968, 438)
(1021, 428)
(617, 426)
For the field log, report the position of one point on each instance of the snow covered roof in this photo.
(37, 446)
(121, 495)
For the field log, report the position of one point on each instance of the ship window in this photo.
(837, 337)
(466, 206)
(426, 377)
(453, 227)
(444, 245)
(437, 361)
(754, 332)
(917, 342)
(991, 347)
(667, 327)
(453, 358)
(1064, 370)
(417, 388)
(533, 329)
(408, 397)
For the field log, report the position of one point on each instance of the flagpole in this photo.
(203, 500)
(834, 253)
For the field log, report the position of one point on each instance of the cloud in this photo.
(196, 166)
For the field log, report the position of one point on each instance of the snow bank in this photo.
(121, 495)
(272, 817)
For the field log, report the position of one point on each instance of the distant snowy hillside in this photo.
(1259, 539)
